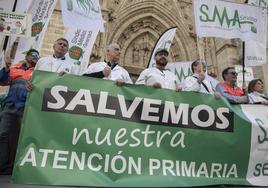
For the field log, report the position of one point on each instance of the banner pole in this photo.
(243, 63)
(243, 60)
(200, 53)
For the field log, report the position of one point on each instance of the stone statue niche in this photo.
(138, 52)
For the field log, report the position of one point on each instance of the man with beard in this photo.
(18, 77)
(229, 89)
(158, 76)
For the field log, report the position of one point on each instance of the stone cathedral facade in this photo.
(137, 24)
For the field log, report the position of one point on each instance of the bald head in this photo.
(113, 45)
(113, 53)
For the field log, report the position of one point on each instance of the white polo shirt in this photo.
(52, 64)
(150, 76)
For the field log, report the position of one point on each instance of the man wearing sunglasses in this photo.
(17, 76)
(158, 76)
(229, 89)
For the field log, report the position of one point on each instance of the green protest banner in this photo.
(81, 131)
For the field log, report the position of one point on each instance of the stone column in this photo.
(227, 55)
(103, 36)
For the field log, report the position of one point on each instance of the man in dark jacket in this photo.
(17, 76)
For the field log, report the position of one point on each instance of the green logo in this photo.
(182, 75)
(76, 53)
(37, 28)
(224, 18)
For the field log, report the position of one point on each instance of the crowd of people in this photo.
(18, 77)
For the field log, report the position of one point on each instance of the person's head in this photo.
(256, 85)
(2, 21)
(229, 75)
(198, 66)
(60, 47)
(18, 24)
(160, 57)
(32, 57)
(113, 53)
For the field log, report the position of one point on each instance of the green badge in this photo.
(75, 52)
(37, 28)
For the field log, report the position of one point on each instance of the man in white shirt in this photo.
(57, 62)
(158, 76)
(198, 82)
(110, 69)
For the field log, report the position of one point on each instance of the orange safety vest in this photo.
(233, 91)
(16, 72)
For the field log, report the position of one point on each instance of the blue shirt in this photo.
(231, 98)
(17, 92)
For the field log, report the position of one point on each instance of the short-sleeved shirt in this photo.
(52, 64)
(153, 75)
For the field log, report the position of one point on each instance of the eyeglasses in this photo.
(233, 73)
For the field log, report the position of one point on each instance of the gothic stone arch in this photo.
(138, 27)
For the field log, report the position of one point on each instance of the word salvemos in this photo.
(142, 110)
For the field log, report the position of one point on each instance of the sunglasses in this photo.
(233, 73)
(34, 56)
